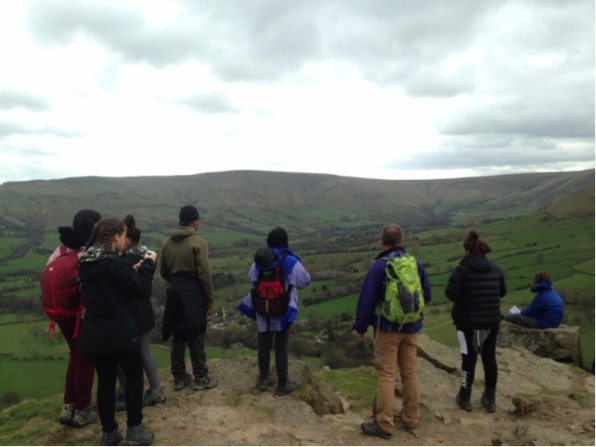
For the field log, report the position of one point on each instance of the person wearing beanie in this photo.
(185, 266)
(78, 385)
(275, 331)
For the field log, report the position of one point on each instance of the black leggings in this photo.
(131, 363)
(487, 350)
(265, 342)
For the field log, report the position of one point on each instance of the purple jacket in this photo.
(373, 290)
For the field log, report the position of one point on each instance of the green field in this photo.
(33, 365)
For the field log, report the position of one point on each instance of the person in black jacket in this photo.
(109, 332)
(144, 315)
(476, 287)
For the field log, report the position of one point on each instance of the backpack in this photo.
(269, 295)
(403, 301)
(59, 284)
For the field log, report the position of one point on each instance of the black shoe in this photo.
(464, 404)
(489, 404)
(286, 388)
(265, 383)
(372, 429)
(111, 437)
(182, 382)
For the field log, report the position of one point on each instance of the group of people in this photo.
(475, 287)
(111, 336)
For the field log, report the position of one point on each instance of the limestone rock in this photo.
(561, 344)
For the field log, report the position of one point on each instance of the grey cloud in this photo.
(11, 100)
(8, 129)
(210, 102)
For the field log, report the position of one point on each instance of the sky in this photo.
(386, 89)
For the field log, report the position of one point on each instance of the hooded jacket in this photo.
(185, 252)
(546, 307)
(296, 278)
(373, 291)
(476, 287)
(108, 287)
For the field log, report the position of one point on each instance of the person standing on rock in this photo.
(395, 344)
(275, 330)
(476, 287)
(185, 266)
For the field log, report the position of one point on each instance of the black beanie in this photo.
(187, 215)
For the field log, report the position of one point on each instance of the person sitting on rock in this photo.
(545, 310)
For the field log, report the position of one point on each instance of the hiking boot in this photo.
(204, 383)
(137, 435)
(488, 403)
(84, 417)
(265, 383)
(464, 404)
(372, 429)
(111, 437)
(66, 414)
(120, 402)
(154, 396)
(286, 388)
(182, 382)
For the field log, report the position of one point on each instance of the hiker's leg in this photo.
(406, 361)
(489, 361)
(106, 391)
(469, 357)
(281, 355)
(178, 365)
(67, 328)
(149, 364)
(386, 365)
(196, 346)
(131, 363)
(265, 342)
(521, 320)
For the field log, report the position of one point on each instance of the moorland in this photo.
(542, 221)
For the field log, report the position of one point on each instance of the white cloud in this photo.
(383, 88)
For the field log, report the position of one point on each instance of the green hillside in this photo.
(533, 222)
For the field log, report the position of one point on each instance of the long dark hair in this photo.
(474, 245)
(103, 235)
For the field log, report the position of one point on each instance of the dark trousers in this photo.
(487, 350)
(196, 348)
(78, 385)
(265, 342)
(131, 363)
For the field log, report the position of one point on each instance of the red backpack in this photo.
(59, 283)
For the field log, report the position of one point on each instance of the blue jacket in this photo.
(546, 307)
(373, 290)
(296, 278)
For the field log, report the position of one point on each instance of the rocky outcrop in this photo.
(561, 344)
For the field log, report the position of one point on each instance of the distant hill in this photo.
(247, 201)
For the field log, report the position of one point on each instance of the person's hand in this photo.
(151, 255)
(360, 335)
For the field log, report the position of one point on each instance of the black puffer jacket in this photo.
(142, 309)
(476, 287)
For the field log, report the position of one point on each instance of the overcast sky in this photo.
(390, 89)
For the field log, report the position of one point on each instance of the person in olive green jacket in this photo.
(185, 266)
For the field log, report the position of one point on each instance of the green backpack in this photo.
(404, 300)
